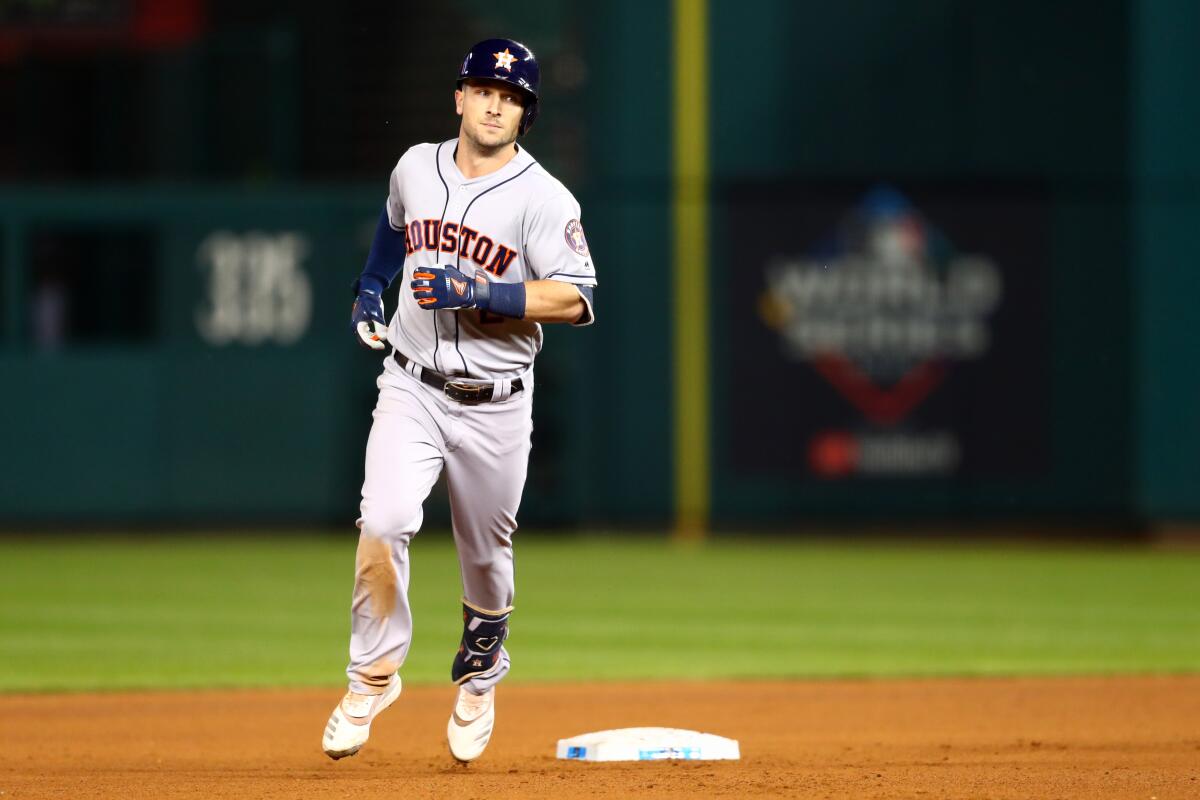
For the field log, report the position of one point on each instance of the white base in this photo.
(648, 744)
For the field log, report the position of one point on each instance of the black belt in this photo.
(458, 391)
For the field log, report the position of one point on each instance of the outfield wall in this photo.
(951, 263)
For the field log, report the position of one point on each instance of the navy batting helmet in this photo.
(508, 61)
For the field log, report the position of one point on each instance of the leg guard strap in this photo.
(484, 633)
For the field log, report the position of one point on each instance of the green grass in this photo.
(108, 612)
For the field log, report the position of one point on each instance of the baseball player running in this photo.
(491, 246)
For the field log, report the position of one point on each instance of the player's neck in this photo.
(474, 161)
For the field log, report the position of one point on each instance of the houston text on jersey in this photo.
(449, 237)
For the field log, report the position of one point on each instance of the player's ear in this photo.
(458, 101)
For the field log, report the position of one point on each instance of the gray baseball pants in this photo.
(484, 449)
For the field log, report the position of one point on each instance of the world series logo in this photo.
(882, 308)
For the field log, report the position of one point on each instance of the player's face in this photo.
(490, 113)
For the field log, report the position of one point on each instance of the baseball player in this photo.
(490, 246)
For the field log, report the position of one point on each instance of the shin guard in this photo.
(484, 633)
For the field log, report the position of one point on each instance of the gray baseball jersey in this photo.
(516, 224)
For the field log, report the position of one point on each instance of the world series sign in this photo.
(905, 325)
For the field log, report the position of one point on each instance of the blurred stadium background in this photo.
(939, 262)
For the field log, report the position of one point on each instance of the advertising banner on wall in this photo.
(887, 331)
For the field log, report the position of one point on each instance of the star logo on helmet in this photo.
(504, 60)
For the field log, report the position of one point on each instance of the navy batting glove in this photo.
(442, 287)
(366, 317)
(446, 287)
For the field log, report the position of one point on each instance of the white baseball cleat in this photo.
(350, 723)
(470, 725)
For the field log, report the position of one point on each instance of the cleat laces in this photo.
(472, 706)
(357, 705)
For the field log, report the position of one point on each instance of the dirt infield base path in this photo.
(1029, 738)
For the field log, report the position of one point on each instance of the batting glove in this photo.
(445, 287)
(366, 318)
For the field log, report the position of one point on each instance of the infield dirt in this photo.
(986, 738)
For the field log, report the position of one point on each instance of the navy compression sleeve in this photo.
(386, 258)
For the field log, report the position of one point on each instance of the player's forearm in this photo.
(552, 301)
(436, 288)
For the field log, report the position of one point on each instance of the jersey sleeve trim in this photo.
(577, 278)
(589, 313)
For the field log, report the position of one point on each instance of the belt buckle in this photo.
(468, 392)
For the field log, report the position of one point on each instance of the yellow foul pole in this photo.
(690, 267)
